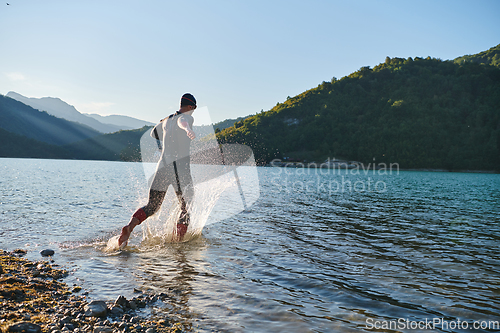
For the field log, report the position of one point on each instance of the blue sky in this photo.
(137, 58)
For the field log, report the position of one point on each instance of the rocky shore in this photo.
(33, 298)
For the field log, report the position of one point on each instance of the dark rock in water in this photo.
(24, 327)
(96, 309)
(47, 253)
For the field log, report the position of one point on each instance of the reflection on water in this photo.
(304, 258)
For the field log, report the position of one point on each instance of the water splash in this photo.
(159, 229)
(112, 245)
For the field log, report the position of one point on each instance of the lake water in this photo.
(317, 252)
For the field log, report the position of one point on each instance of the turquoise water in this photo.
(317, 252)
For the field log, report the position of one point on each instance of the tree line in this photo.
(419, 113)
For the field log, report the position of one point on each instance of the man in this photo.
(173, 168)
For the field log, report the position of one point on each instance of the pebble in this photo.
(47, 253)
(69, 327)
(121, 301)
(96, 309)
(122, 326)
(102, 329)
(117, 311)
(25, 327)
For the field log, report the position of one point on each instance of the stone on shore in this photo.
(25, 327)
(102, 329)
(121, 301)
(117, 311)
(96, 309)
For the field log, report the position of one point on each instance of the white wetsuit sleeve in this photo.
(159, 131)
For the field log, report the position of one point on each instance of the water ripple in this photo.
(302, 259)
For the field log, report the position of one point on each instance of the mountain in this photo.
(418, 113)
(21, 119)
(61, 109)
(123, 122)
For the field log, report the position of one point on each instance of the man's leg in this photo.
(154, 204)
(185, 198)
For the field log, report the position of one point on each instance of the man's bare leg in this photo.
(154, 203)
(127, 230)
(183, 221)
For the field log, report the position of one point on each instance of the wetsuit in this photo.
(173, 168)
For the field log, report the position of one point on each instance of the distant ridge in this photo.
(21, 119)
(61, 109)
(124, 122)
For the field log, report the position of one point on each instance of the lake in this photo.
(318, 251)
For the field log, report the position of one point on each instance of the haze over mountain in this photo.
(61, 109)
(124, 122)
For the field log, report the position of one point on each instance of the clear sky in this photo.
(137, 58)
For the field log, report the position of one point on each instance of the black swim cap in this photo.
(188, 99)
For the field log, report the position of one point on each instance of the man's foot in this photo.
(123, 240)
(181, 231)
(126, 231)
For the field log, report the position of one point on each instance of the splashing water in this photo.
(160, 229)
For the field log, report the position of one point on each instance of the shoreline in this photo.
(292, 165)
(34, 298)
(360, 168)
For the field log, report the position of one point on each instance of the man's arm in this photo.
(184, 125)
(159, 132)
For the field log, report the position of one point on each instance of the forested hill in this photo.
(490, 57)
(420, 113)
